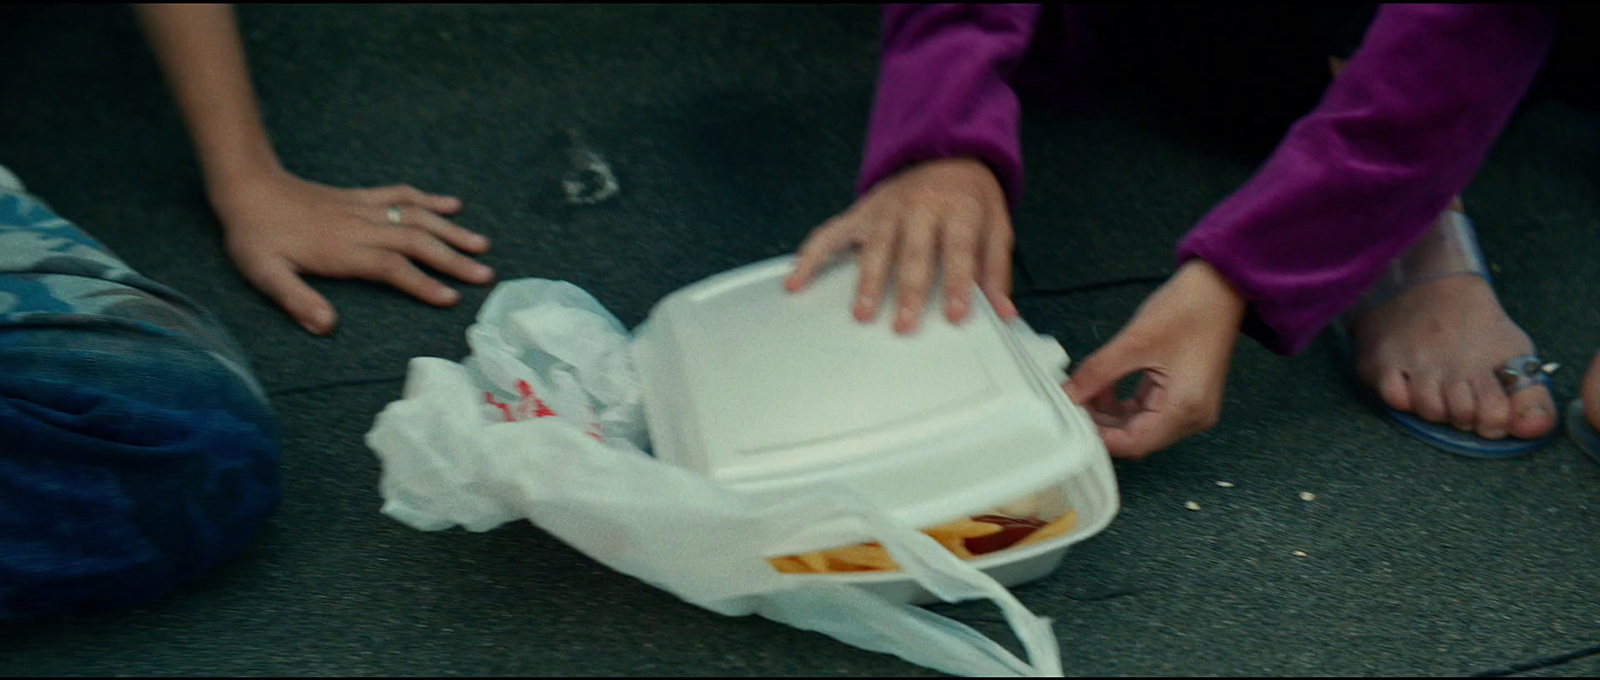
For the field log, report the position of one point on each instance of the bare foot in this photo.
(1433, 349)
(1589, 392)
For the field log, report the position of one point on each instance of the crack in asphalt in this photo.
(1539, 664)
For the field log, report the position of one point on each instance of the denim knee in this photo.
(127, 469)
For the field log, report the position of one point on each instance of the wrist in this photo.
(225, 184)
(1214, 288)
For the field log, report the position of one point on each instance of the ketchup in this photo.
(1012, 529)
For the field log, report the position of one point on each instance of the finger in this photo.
(1151, 394)
(959, 253)
(405, 194)
(446, 231)
(1152, 421)
(996, 277)
(1107, 405)
(1104, 419)
(876, 253)
(819, 247)
(1099, 373)
(400, 273)
(424, 248)
(914, 269)
(1140, 436)
(278, 280)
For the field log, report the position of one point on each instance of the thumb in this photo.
(1100, 371)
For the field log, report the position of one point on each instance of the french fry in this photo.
(814, 561)
(869, 557)
(963, 529)
(874, 557)
(789, 565)
(1057, 527)
(953, 536)
(956, 545)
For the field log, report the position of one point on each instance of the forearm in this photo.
(202, 55)
(942, 89)
(1402, 129)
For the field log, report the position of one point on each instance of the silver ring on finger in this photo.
(394, 215)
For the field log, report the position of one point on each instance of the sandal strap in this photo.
(1448, 248)
(1524, 371)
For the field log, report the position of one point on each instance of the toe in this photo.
(1428, 397)
(1533, 413)
(1590, 391)
(1462, 407)
(1494, 408)
(1396, 390)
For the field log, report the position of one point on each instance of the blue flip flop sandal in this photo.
(1446, 437)
(1581, 431)
(1449, 248)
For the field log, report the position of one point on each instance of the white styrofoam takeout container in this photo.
(762, 389)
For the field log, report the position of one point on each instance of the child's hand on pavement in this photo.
(280, 227)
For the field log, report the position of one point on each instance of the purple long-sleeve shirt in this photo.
(1403, 128)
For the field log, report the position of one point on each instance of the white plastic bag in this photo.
(543, 422)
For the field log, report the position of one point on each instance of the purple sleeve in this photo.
(1403, 128)
(943, 91)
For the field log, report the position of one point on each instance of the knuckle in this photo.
(876, 232)
(839, 229)
(915, 254)
(965, 205)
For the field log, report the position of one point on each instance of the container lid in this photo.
(767, 390)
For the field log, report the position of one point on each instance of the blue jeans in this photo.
(137, 451)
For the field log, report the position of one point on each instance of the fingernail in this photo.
(484, 272)
(320, 321)
(450, 295)
(905, 319)
(956, 309)
(865, 310)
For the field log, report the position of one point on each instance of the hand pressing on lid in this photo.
(945, 216)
